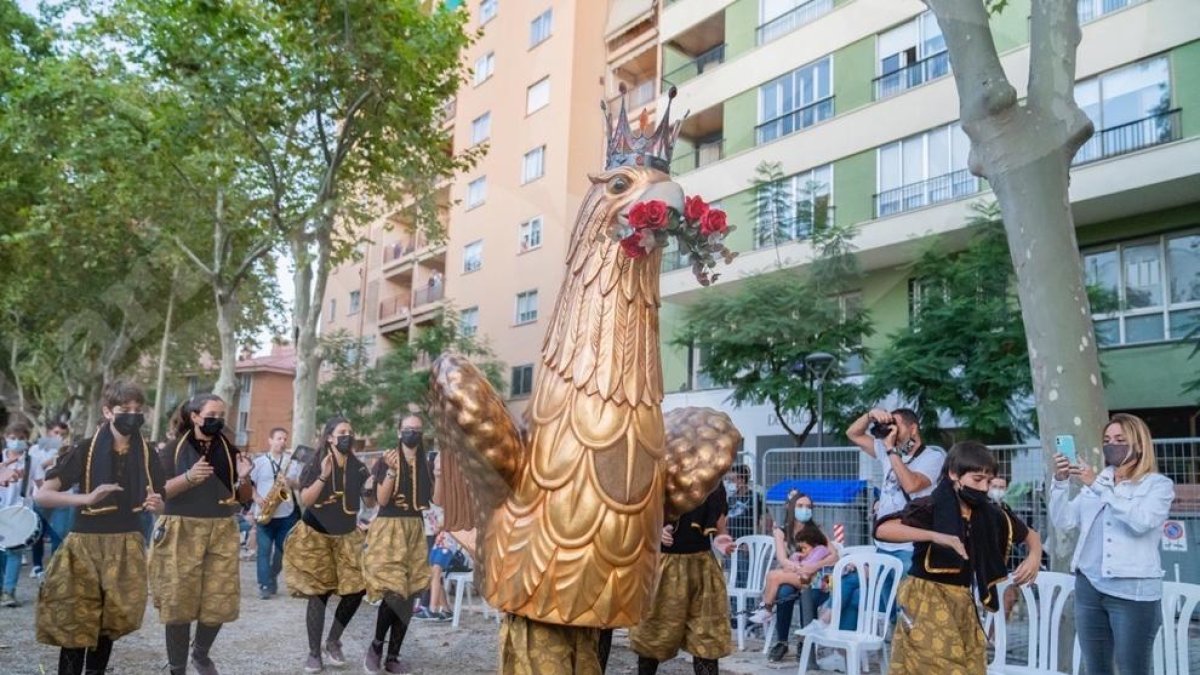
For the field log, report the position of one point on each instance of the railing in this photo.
(392, 308)
(961, 183)
(472, 264)
(449, 108)
(794, 229)
(793, 19)
(675, 260)
(429, 294)
(788, 123)
(696, 66)
(1144, 133)
(1087, 8)
(703, 155)
(912, 75)
(636, 96)
(398, 250)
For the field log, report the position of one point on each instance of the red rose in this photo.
(713, 222)
(656, 214)
(638, 215)
(694, 209)
(632, 245)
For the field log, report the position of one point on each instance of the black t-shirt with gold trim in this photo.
(693, 529)
(336, 510)
(413, 487)
(70, 470)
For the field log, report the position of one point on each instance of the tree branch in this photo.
(263, 248)
(983, 88)
(193, 257)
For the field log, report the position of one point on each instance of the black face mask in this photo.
(345, 443)
(972, 497)
(1118, 455)
(410, 438)
(211, 426)
(127, 423)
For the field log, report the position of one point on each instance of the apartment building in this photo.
(538, 74)
(856, 98)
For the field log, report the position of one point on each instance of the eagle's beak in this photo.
(667, 191)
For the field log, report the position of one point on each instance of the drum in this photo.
(19, 527)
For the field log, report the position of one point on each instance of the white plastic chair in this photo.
(1045, 601)
(874, 607)
(1171, 645)
(760, 550)
(464, 583)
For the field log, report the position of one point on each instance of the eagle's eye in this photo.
(619, 185)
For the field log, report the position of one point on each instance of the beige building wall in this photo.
(592, 47)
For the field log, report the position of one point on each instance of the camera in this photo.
(880, 430)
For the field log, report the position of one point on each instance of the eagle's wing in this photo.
(482, 448)
(701, 445)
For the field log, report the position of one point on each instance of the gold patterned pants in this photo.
(532, 648)
(316, 564)
(397, 558)
(194, 572)
(945, 636)
(690, 610)
(95, 586)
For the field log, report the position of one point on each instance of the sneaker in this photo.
(445, 615)
(778, 651)
(761, 615)
(9, 600)
(314, 664)
(36, 572)
(396, 667)
(204, 665)
(333, 653)
(374, 657)
(264, 594)
(425, 615)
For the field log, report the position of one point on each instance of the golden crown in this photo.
(627, 148)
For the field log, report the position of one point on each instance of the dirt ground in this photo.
(269, 639)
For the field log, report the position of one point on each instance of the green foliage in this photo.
(963, 352)
(757, 335)
(371, 395)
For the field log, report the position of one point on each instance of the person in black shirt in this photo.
(690, 610)
(745, 505)
(194, 565)
(397, 559)
(961, 545)
(94, 591)
(323, 555)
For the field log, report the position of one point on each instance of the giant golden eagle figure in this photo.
(569, 510)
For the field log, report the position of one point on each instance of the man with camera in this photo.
(910, 470)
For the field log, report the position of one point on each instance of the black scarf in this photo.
(987, 547)
(346, 483)
(413, 482)
(219, 452)
(101, 466)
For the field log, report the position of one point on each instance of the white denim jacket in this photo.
(1132, 514)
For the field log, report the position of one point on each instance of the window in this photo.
(332, 309)
(925, 169)
(919, 291)
(697, 378)
(355, 303)
(245, 382)
(522, 381)
(1090, 10)
(850, 305)
(539, 28)
(468, 322)
(484, 67)
(1130, 108)
(537, 96)
(527, 310)
(1146, 290)
(910, 55)
(795, 101)
(791, 208)
(487, 11)
(476, 192)
(243, 429)
(473, 256)
(481, 128)
(531, 234)
(533, 166)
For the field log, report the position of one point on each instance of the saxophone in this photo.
(278, 494)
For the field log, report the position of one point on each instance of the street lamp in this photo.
(819, 364)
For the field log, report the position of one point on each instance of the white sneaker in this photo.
(835, 662)
(761, 615)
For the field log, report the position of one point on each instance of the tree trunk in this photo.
(160, 381)
(309, 280)
(226, 386)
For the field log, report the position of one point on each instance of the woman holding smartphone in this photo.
(1119, 514)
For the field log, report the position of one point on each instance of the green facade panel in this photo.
(1010, 28)
(854, 188)
(674, 359)
(741, 209)
(885, 297)
(741, 28)
(853, 71)
(1139, 225)
(1185, 79)
(741, 115)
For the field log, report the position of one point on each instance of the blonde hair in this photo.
(1138, 435)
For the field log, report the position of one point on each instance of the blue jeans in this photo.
(1111, 629)
(850, 590)
(56, 525)
(12, 568)
(810, 599)
(270, 550)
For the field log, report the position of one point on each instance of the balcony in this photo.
(913, 75)
(428, 296)
(636, 95)
(695, 67)
(448, 110)
(705, 153)
(792, 19)
(956, 185)
(674, 259)
(1119, 140)
(694, 51)
(394, 313)
(701, 140)
(807, 219)
(797, 120)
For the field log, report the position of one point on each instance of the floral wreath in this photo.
(700, 232)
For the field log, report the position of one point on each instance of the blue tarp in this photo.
(827, 492)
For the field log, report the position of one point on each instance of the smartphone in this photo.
(1065, 445)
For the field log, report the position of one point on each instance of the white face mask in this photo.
(730, 488)
(997, 494)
